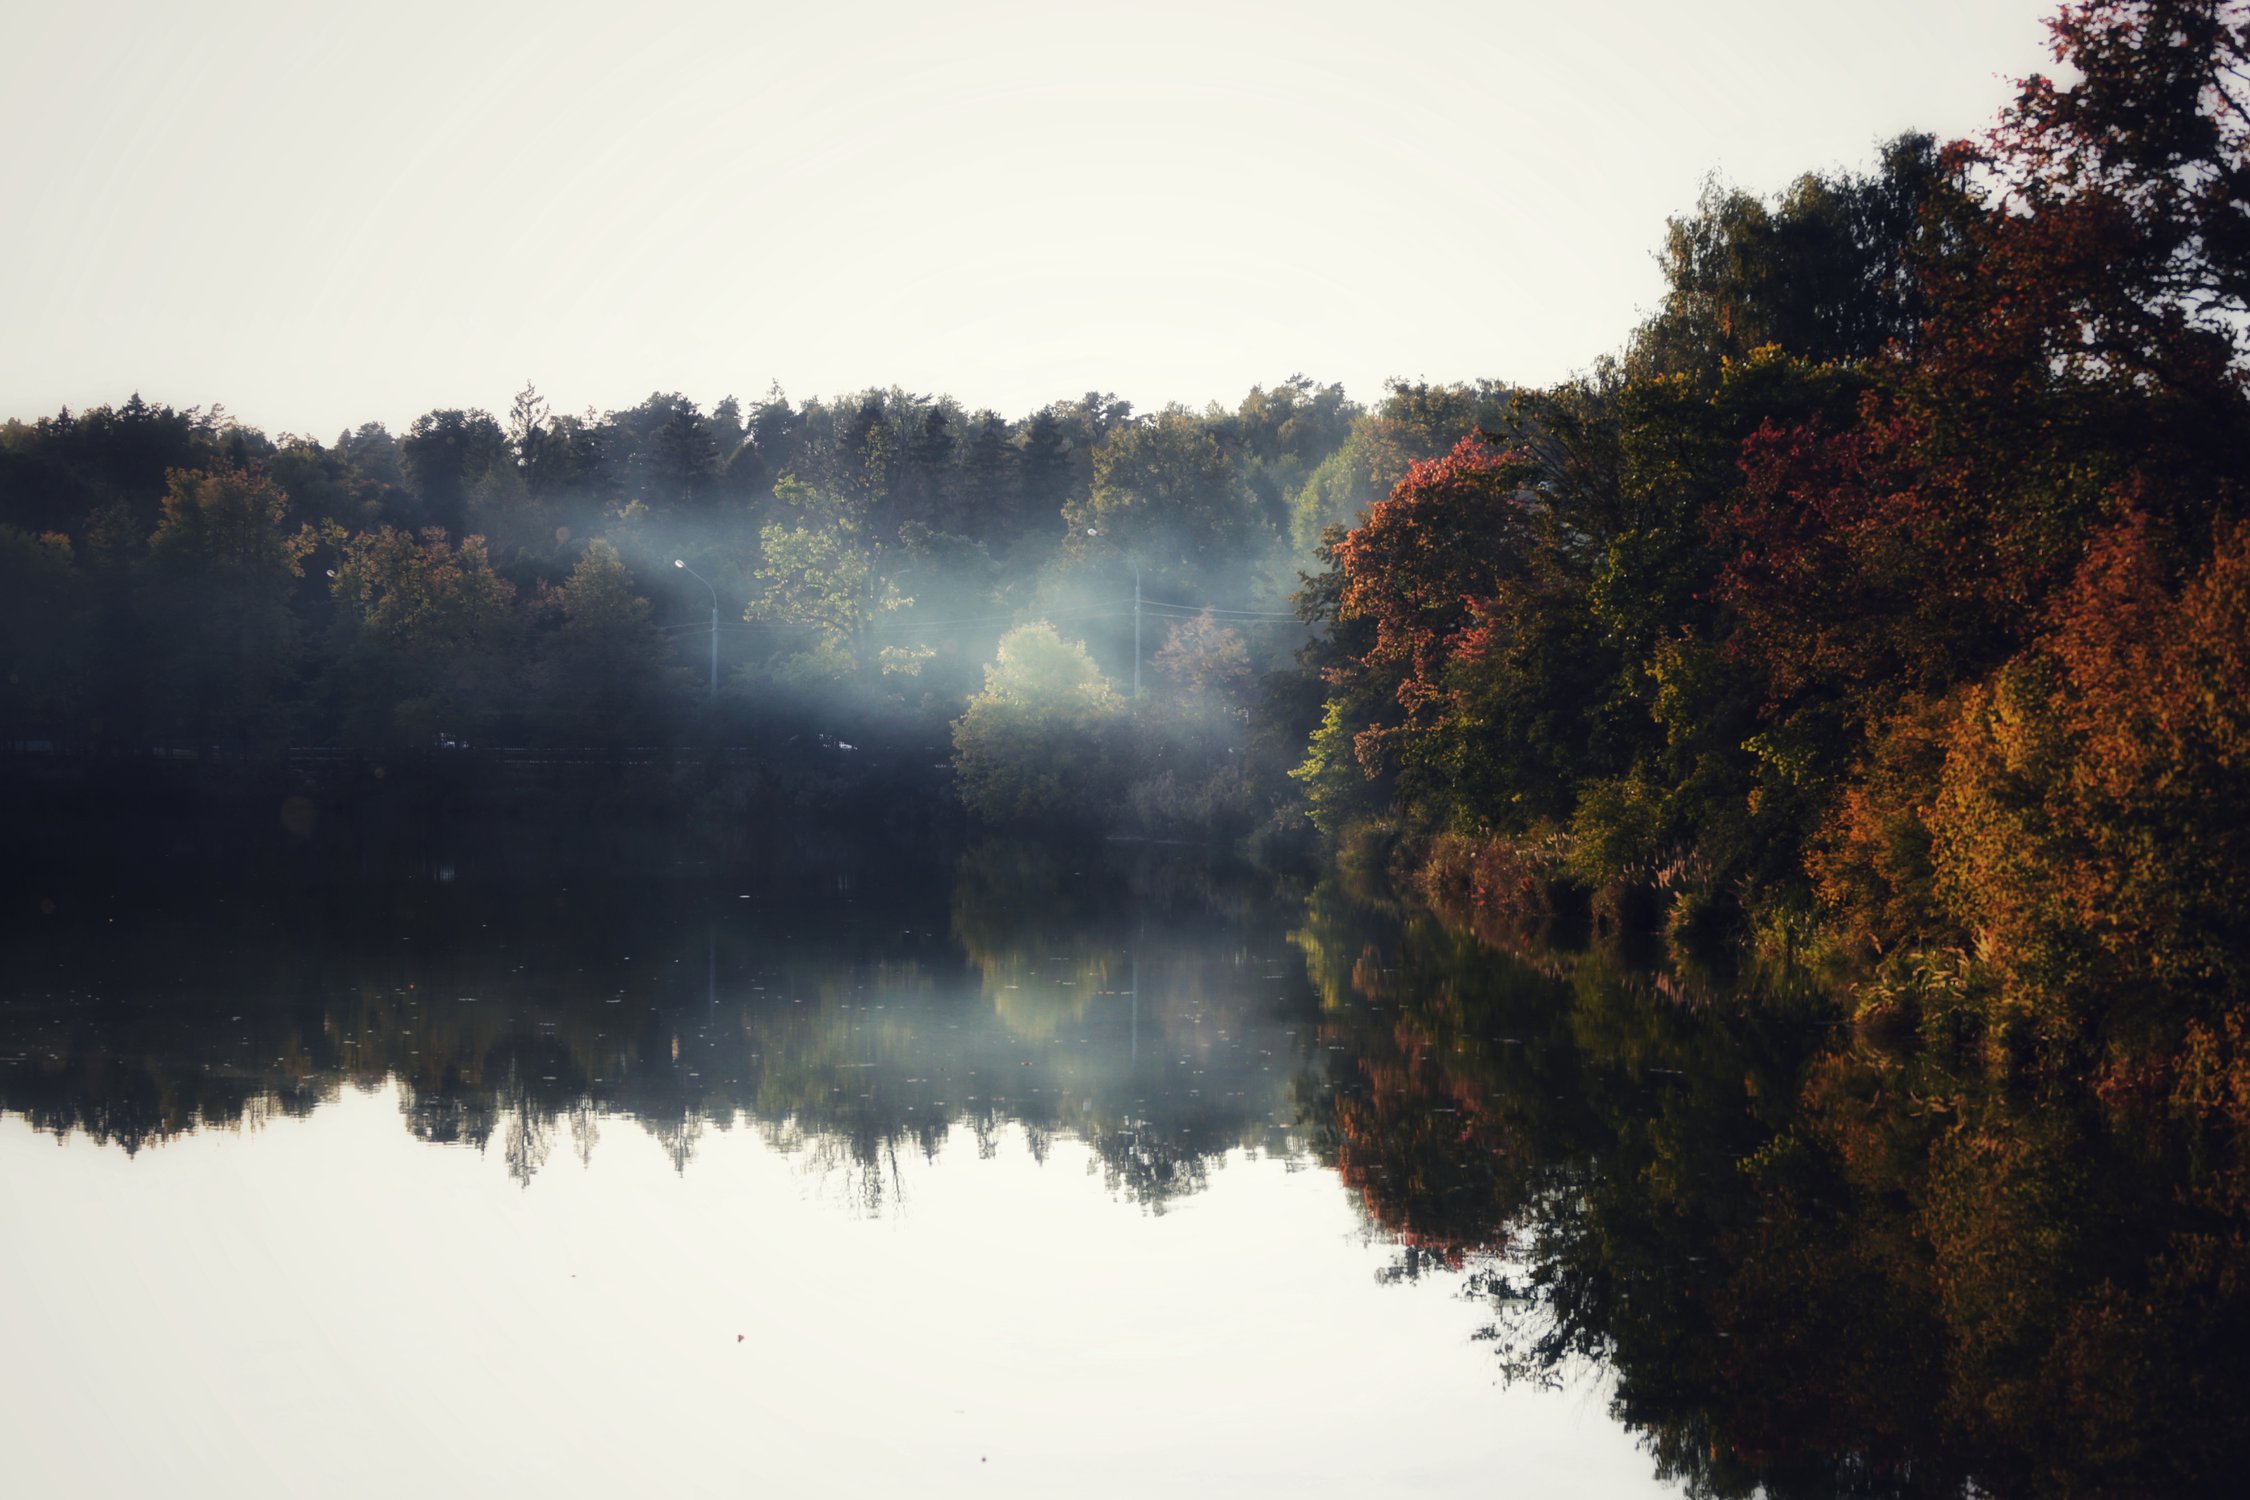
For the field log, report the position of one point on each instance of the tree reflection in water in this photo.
(1820, 1258)
(1133, 1005)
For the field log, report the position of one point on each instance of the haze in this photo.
(322, 218)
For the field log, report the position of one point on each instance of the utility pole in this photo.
(1096, 531)
(1137, 995)
(681, 564)
(867, 616)
(1136, 630)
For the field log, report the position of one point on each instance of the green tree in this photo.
(1284, 434)
(221, 561)
(987, 497)
(444, 455)
(822, 575)
(429, 642)
(681, 458)
(604, 672)
(1168, 495)
(43, 604)
(1035, 744)
(1824, 271)
(1415, 421)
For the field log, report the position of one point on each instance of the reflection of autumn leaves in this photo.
(1417, 1133)
(1367, 975)
(1428, 1163)
(2078, 1265)
(1999, 1217)
(2212, 1098)
(1808, 1250)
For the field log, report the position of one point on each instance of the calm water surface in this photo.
(1024, 1173)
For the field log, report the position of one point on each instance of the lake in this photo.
(1022, 1170)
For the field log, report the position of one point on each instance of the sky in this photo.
(321, 215)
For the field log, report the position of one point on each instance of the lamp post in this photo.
(681, 564)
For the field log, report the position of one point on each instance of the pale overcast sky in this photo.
(322, 215)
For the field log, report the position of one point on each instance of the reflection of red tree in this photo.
(1418, 1144)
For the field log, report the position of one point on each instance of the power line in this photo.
(1114, 609)
(1083, 611)
(1224, 613)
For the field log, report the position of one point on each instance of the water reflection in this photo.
(1816, 1259)
(1822, 1260)
(1135, 1006)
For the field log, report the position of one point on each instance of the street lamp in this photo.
(681, 564)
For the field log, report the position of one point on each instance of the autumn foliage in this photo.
(1934, 642)
(2092, 820)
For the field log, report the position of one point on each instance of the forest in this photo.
(1883, 604)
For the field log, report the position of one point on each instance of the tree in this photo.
(1189, 756)
(1049, 475)
(527, 428)
(1168, 496)
(1415, 421)
(987, 498)
(1284, 434)
(2123, 245)
(1035, 744)
(222, 560)
(1409, 588)
(42, 620)
(428, 637)
(773, 444)
(1416, 571)
(604, 667)
(923, 476)
(681, 458)
(1674, 752)
(1824, 273)
(2091, 824)
(444, 455)
(372, 452)
(2080, 369)
(822, 575)
(1205, 659)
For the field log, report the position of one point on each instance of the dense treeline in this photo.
(802, 582)
(1892, 594)
(1888, 597)
(176, 579)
